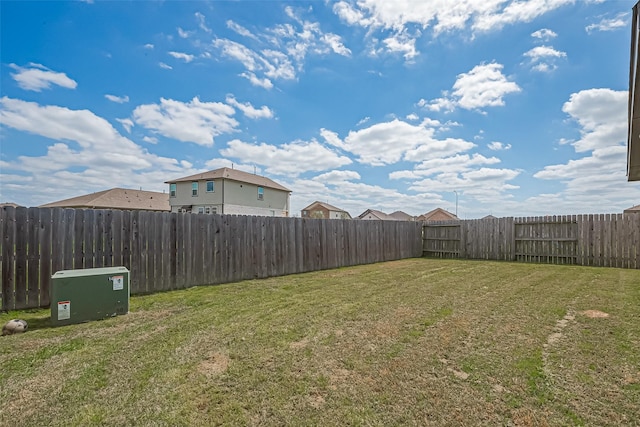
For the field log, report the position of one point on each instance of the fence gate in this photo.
(442, 239)
(553, 240)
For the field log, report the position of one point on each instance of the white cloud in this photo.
(165, 66)
(483, 86)
(184, 56)
(280, 52)
(542, 58)
(443, 16)
(239, 52)
(602, 114)
(412, 117)
(149, 46)
(194, 121)
(334, 41)
(609, 24)
(601, 174)
(596, 165)
(486, 185)
(498, 146)
(515, 12)
(220, 162)
(184, 34)
(240, 30)
(363, 121)
(447, 165)
(402, 43)
(544, 34)
(36, 77)
(127, 124)
(285, 159)
(277, 65)
(249, 110)
(390, 142)
(337, 177)
(200, 18)
(86, 155)
(540, 52)
(150, 139)
(254, 80)
(117, 99)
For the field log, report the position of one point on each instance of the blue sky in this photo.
(514, 108)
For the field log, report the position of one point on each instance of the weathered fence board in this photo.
(174, 251)
(611, 240)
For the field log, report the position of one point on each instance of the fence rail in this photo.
(166, 251)
(610, 240)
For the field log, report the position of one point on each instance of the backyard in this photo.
(410, 342)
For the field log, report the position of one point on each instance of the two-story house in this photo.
(324, 211)
(228, 191)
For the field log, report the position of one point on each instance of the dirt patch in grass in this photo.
(594, 314)
(215, 364)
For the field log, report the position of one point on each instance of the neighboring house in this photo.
(10, 205)
(401, 216)
(228, 191)
(438, 214)
(372, 214)
(489, 217)
(324, 211)
(632, 211)
(116, 198)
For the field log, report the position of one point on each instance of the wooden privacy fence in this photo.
(611, 240)
(166, 251)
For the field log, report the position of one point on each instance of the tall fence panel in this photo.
(611, 240)
(165, 251)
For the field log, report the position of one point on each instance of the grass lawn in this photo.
(412, 342)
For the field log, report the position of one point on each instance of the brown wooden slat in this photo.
(89, 230)
(99, 239)
(78, 241)
(117, 237)
(136, 259)
(8, 216)
(44, 237)
(33, 261)
(21, 243)
(108, 239)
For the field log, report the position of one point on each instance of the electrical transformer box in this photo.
(90, 294)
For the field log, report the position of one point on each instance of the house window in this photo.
(260, 193)
(194, 188)
(210, 187)
(208, 210)
(200, 210)
(214, 210)
(172, 190)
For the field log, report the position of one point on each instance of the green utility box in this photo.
(91, 294)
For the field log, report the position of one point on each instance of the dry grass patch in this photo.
(412, 342)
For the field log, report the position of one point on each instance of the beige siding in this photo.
(240, 198)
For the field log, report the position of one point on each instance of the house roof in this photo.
(438, 214)
(117, 198)
(324, 205)
(10, 205)
(401, 216)
(232, 174)
(375, 213)
(633, 209)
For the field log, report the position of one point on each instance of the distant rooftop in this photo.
(117, 198)
(232, 174)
